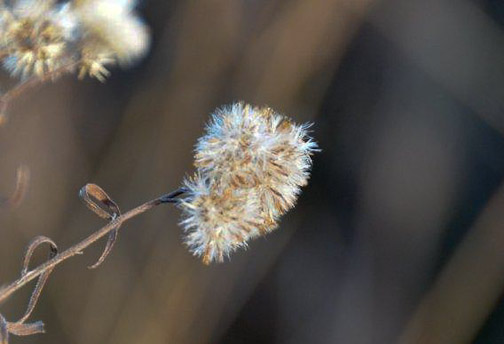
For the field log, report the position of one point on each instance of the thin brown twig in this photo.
(25, 85)
(77, 249)
(22, 182)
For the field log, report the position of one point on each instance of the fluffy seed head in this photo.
(33, 37)
(261, 154)
(217, 221)
(113, 25)
(39, 36)
(255, 148)
(93, 62)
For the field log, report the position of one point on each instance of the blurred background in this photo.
(399, 237)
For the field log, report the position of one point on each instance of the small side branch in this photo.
(25, 85)
(22, 181)
(89, 193)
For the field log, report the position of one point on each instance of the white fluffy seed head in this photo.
(33, 37)
(250, 147)
(113, 25)
(39, 36)
(258, 153)
(217, 221)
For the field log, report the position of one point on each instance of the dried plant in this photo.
(22, 181)
(41, 40)
(40, 36)
(250, 165)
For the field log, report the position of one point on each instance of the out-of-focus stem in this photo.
(468, 287)
(24, 86)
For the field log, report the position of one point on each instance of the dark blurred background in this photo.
(399, 236)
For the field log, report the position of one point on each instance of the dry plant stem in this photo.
(22, 181)
(24, 86)
(77, 249)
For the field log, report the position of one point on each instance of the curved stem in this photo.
(23, 86)
(76, 249)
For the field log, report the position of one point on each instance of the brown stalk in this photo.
(107, 209)
(22, 182)
(29, 83)
(77, 249)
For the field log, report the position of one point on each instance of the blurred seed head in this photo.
(93, 62)
(111, 32)
(32, 38)
(254, 159)
(39, 36)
